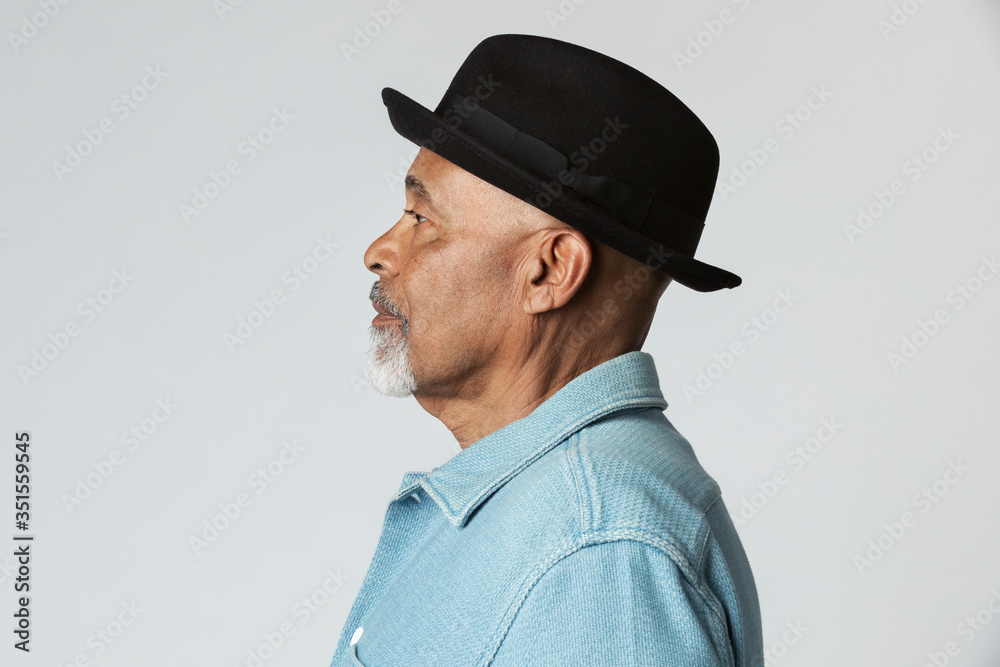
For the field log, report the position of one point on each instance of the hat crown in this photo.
(609, 118)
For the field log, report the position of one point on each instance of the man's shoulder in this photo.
(629, 476)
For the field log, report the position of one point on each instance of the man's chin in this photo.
(389, 384)
(390, 391)
(387, 365)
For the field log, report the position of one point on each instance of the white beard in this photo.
(387, 364)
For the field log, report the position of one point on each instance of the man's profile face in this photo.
(444, 285)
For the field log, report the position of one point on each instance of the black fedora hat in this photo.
(583, 137)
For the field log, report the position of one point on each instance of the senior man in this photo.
(556, 195)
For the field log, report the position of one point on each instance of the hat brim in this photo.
(425, 128)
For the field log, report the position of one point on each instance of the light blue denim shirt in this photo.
(586, 533)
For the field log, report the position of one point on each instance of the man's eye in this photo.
(419, 218)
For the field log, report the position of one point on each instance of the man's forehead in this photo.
(435, 180)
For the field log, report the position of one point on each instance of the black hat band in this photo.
(631, 207)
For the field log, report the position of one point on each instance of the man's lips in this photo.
(383, 316)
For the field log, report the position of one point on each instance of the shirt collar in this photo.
(459, 485)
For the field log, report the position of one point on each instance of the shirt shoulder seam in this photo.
(666, 546)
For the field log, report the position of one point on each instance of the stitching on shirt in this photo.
(594, 505)
(718, 495)
(719, 628)
(717, 619)
(572, 450)
(703, 534)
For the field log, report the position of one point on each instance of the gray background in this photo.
(330, 173)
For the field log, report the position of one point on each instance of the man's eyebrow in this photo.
(417, 187)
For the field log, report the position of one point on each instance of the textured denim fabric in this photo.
(586, 533)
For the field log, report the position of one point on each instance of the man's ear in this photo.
(555, 268)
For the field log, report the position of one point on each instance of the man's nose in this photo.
(382, 256)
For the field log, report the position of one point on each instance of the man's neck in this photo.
(505, 393)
